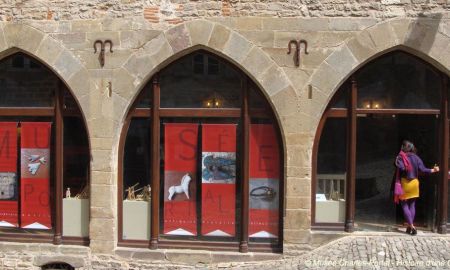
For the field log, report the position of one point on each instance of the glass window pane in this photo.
(340, 99)
(379, 138)
(181, 88)
(24, 86)
(18, 61)
(75, 178)
(136, 181)
(198, 63)
(398, 80)
(256, 99)
(69, 101)
(34, 64)
(145, 98)
(331, 172)
(213, 66)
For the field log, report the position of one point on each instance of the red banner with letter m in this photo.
(9, 206)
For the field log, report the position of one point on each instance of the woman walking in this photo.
(410, 165)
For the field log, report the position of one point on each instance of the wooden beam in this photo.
(59, 150)
(351, 159)
(154, 166)
(245, 168)
(443, 183)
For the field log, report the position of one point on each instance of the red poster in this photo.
(9, 206)
(218, 179)
(264, 182)
(35, 175)
(180, 167)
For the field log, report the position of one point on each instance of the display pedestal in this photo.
(330, 211)
(136, 220)
(76, 217)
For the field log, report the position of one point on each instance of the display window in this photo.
(44, 156)
(201, 162)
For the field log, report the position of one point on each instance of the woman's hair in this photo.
(408, 146)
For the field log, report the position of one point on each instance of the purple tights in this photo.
(409, 210)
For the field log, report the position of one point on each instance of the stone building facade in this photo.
(342, 36)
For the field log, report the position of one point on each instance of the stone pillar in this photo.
(103, 130)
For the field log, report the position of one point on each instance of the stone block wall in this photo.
(176, 11)
(253, 36)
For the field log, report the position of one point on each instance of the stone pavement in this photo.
(358, 250)
(367, 251)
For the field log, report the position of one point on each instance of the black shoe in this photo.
(408, 230)
(413, 231)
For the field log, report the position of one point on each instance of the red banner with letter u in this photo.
(35, 175)
(218, 179)
(180, 171)
(9, 206)
(264, 188)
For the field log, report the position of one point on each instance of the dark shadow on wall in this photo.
(58, 265)
(422, 32)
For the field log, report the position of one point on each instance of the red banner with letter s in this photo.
(264, 186)
(218, 179)
(180, 167)
(9, 206)
(35, 175)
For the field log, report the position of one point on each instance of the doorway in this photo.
(378, 142)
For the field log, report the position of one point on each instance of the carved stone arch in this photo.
(222, 41)
(51, 53)
(183, 39)
(423, 38)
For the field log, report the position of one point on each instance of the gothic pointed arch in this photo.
(50, 153)
(393, 97)
(210, 162)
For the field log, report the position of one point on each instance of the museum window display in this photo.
(201, 161)
(393, 98)
(44, 156)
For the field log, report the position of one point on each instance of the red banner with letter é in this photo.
(218, 179)
(35, 175)
(264, 188)
(9, 206)
(180, 169)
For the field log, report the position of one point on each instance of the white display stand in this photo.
(136, 220)
(75, 217)
(330, 211)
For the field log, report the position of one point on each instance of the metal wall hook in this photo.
(297, 49)
(101, 56)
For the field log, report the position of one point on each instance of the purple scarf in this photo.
(405, 160)
(398, 190)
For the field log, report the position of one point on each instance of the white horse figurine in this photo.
(183, 187)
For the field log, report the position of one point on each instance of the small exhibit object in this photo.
(320, 197)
